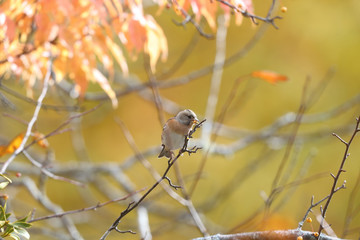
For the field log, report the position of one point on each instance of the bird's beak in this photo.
(196, 121)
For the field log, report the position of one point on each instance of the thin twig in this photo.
(50, 174)
(292, 138)
(58, 129)
(31, 101)
(48, 204)
(155, 90)
(190, 19)
(245, 13)
(95, 207)
(312, 205)
(340, 170)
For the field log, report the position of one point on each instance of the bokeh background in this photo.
(316, 40)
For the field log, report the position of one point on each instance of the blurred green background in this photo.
(314, 37)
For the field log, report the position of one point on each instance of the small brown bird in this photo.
(175, 130)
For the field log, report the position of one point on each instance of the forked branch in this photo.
(341, 169)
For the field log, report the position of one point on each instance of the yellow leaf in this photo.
(117, 53)
(104, 84)
(12, 146)
(156, 44)
(40, 140)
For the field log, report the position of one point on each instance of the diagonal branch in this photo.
(171, 162)
(33, 119)
(50, 174)
(95, 207)
(341, 170)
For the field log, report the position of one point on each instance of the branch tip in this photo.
(171, 184)
(126, 231)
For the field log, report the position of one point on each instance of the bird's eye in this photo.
(189, 117)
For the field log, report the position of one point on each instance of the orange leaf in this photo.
(2, 150)
(137, 35)
(269, 76)
(44, 25)
(40, 140)
(9, 26)
(12, 146)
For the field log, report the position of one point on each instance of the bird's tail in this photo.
(164, 152)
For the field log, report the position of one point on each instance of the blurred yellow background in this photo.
(314, 37)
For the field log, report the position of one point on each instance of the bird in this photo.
(175, 130)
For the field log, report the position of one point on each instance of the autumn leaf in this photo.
(118, 55)
(156, 44)
(40, 139)
(12, 146)
(8, 26)
(104, 84)
(206, 9)
(269, 76)
(136, 35)
(84, 35)
(2, 150)
(241, 5)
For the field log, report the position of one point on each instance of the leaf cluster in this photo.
(15, 230)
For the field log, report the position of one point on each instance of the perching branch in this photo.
(171, 162)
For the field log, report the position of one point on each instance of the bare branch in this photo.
(59, 130)
(33, 119)
(32, 101)
(171, 184)
(95, 207)
(253, 17)
(270, 235)
(48, 204)
(312, 205)
(336, 179)
(190, 19)
(50, 174)
(132, 206)
(338, 137)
